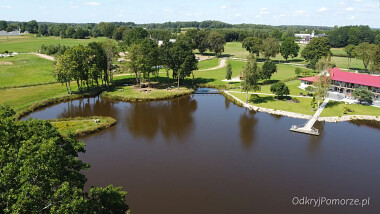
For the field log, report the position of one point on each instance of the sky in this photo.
(295, 12)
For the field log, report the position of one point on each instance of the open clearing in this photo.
(25, 69)
(30, 43)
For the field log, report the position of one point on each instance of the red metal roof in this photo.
(360, 79)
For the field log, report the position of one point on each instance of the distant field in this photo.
(25, 69)
(30, 43)
(338, 52)
(342, 62)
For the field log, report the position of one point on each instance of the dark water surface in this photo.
(202, 154)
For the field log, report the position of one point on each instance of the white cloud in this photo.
(282, 15)
(237, 14)
(299, 12)
(92, 3)
(352, 17)
(5, 7)
(263, 11)
(350, 9)
(223, 7)
(358, 0)
(322, 9)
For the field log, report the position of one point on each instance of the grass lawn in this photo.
(292, 85)
(22, 98)
(216, 76)
(342, 62)
(336, 109)
(155, 92)
(30, 43)
(82, 125)
(338, 52)
(303, 107)
(25, 69)
(206, 64)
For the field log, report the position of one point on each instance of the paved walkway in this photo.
(222, 64)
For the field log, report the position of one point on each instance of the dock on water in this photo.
(308, 127)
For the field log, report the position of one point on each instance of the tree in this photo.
(349, 49)
(32, 26)
(375, 60)
(135, 35)
(229, 71)
(216, 42)
(362, 94)
(106, 29)
(201, 41)
(280, 89)
(298, 71)
(62, 70)
(43, 30)
(111, 52)
(118, 33)
(252, 75)
(270, 48)
(3, 25)
(81, 33)
(363, 52)
(268, 69)
(316, 49)
(321, 85)
(41, 171)
(97, 62)
(289, 48)
(253, 45)
(135, 59)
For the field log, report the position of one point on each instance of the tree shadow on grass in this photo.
(332, 104)
(257, 99)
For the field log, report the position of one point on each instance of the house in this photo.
(306, 38)
(343, 83)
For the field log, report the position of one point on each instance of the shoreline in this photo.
(298, 115)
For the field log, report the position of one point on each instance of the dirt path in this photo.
(222, 64)
(44, 56)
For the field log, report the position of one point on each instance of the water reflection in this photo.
(370, 124)
(170, 118)
(247, 125)
(316, 141)
(227, 103)
(89, 107)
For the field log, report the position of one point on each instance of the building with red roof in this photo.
(345, 82)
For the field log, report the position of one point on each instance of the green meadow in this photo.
(30, 43)
(24, 70)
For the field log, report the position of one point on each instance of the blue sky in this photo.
(296, 12)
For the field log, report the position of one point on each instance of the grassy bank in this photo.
(302, 105)
(156, 92)
(24, 70)
(338, 108)
(81, 126)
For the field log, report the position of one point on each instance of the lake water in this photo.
(203, 154)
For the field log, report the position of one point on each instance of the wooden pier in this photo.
(308, 127)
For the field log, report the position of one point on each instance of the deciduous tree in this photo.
(252, 75)
(289, 48)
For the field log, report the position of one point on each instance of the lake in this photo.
(203, 154)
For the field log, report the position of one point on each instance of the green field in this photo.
(206, 64)
(336, 109)
(303, 107)
(30, 43)
(22, 98)
(25, 69)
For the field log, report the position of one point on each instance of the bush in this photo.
(280, 89)
(53, 49)
(298, 71)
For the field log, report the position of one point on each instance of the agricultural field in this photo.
(24, 70)
(31, 43)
